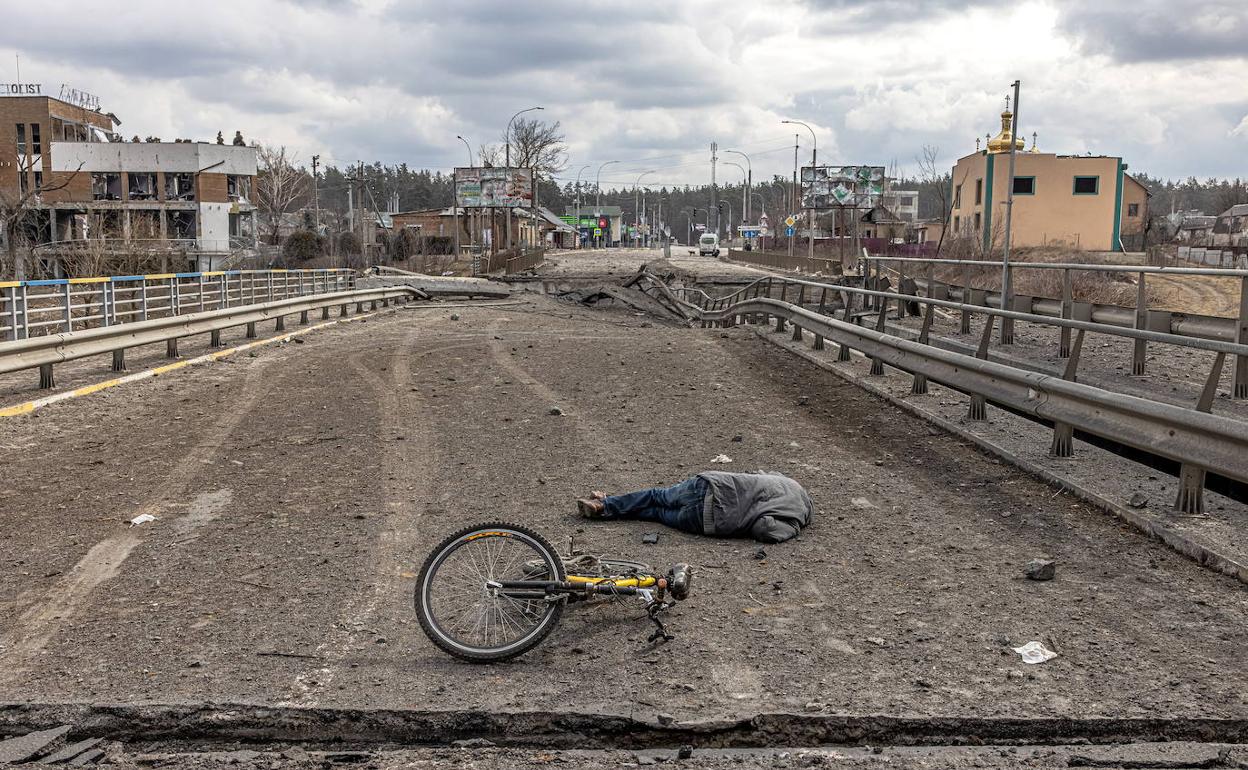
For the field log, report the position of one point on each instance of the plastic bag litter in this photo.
(721, 459)
(1035, 652)
(142, 519)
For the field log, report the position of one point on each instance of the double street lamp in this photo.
(578, 204)
(749, 181)
(814, 161)
(598, 201)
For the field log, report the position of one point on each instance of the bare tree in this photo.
(538, 145)
(491, 155)
(279, 185)
(15, 205)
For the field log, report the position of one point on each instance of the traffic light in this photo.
(602, 222)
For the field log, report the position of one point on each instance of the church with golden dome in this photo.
(1079, 201)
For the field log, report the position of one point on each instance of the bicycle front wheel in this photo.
(464, 615)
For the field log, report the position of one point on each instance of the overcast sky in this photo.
(652, 82)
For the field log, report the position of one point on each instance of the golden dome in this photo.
(1033, 149)
(1001, 142)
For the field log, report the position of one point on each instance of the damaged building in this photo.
(88, 183)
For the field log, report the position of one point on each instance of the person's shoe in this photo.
(590, 509)
(596, 495)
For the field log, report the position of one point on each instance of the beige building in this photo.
(1082, 201)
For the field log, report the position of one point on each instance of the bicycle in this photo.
(493, 591)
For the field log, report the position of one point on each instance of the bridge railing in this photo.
(1189, 435)
(64, 305)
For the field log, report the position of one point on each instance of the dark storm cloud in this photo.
(1159, 30)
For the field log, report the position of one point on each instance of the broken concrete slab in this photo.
(70, 751)
(86, 758)
(30, 745)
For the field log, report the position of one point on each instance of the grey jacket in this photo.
(768, 506)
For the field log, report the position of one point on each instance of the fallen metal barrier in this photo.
(45, 351)
(31, 308)
(1199, 441)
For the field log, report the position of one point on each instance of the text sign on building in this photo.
(79, 98)
(21, 89)
(825, 187)
(494, 187)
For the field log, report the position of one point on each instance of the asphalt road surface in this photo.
(296, 493)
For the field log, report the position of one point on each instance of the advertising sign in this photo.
(826, 187)
(494, 187)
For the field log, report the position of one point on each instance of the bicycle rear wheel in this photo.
(463, 616)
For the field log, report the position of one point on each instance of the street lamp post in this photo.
(1007, 324)
(749, 182)
(729, 205)
(578, 203)
(745, 201)
(508, 162)
(598, 200)
(762, 210)
(814, 161)
(636, 210)
(472, 235)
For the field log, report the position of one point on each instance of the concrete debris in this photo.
(30, 745)
(722, 459)
(650, 538)
(1040, 569)
(70, 751)
(454, 316)
(473, 743)
(88, 757)
(1138, 501)
(862, 504)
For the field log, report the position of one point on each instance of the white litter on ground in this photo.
(721, 459)
(142, 518)
(1035, 652)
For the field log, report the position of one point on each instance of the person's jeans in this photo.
(678, 506)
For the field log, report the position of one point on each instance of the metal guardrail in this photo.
(1200, 441)
(780, 261)
(64, 305)
(44, 351)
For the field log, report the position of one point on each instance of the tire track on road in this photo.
(47, 611)
(408, 469)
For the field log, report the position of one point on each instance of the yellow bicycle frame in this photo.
(645, 581)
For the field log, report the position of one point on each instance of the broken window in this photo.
(34, 139)
(21, 139)
(106, 187)
(238, 187)
(142, 185)
(181, 225)
(179, 187)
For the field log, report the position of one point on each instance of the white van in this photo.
(708, 245)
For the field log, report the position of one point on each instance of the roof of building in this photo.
(553, 218)
(1238, 210)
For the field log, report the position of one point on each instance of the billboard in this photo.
(826, 187)
(494, 187)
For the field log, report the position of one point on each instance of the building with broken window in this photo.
(81, 181)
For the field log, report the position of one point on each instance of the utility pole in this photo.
(316, 204)
(1007, 324)
(360, 200)
(579, 243)
(714, 194)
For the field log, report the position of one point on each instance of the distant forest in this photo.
(421, 188)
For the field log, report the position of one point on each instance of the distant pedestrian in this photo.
(769, 507)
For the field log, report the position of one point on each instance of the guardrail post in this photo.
(373, 306)
(269, 281)
(251, 330)
(46, 378)
(303, 317)
(1239, 386)
(119, 360)
(1068, 301)
(171, 348)
(965, 327)
(1191, 494)
(978, 411)
(69, 317)
(107, 308)
(279, 325)
(325, 313)
(842, 353)
(175, 307)
(1141, 322)
(901, 287)
(877, 365)
(214, 338)
(342, 311)
(224, 299)
(1064, 433)
(12, 293)
(797, 333)
(919, 386)
(359, 307)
